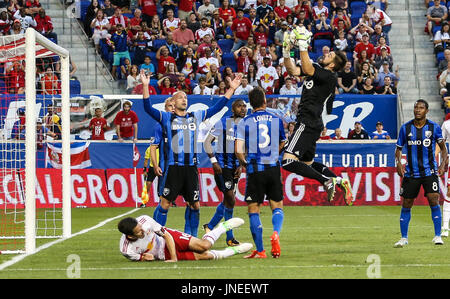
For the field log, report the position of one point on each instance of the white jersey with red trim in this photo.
(153, 241)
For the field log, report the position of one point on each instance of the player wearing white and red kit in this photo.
(446, 206)
(144, 239)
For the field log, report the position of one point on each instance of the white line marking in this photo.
(47, 245)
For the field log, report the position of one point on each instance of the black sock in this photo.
(304, 170)
(323, 169)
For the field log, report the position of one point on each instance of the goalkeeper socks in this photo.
(160, 215)
(405, 217)
(277, 219)
(194, 220)
(257, 231)
(446, 213)
(218, 215)
(437, 219)
(319, 167)
(304, 170)
(228, 214)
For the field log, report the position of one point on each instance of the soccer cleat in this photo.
(276, 249)
(241, 248)
(437, 240)
(444, 232)
(256, 255)
(232, 223)
(401, 243)
(345, 185)
(330, 187)
(206, 228)
(233, 242)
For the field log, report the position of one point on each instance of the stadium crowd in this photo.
(194, 45)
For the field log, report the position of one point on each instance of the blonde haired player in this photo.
(144, 239)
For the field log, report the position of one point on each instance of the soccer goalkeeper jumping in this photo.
(318, 90)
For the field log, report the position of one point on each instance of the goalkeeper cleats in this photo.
(256, 255)
(345, 185)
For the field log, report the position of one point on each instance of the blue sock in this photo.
(194, 221)
(256, 230)
(218, 215)
(405, 217)
(437, 219)
(277, 219)
(187, 223)
(160, 215)
(228, 214)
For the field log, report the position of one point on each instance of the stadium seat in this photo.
(226, 45)
(75, 87)
(228, 60)
(436, 29)
(357, 8)
(439, 57)
(83, 9)
(320, 43)
(158, 43)
(431, 3)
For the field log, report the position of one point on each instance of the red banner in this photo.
(123, 188)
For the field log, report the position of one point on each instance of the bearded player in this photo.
(318, 90)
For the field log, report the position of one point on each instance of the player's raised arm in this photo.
(302, 37)
(155, 113)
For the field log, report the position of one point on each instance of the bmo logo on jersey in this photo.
(426, 142)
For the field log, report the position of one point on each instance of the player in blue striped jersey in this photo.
(227, 169)
(180, 129)
(260, 139)
(419, 138)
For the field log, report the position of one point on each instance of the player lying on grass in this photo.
(144, 239)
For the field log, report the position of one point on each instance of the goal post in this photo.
(34, 104)
(32, 38)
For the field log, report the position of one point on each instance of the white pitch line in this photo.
(178, 268)
(47, 245)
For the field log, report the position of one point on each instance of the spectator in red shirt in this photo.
(15, 77)
(148, 10)
(135, 23)
(364, 45)
(185, 8)
(98, 125)
(282, 11)
(323, 134)
(227, 12)
(261, 35)
(165, 86)
(242, 27)
(338, 134)
(139, 87)
(5, 23)
(126, 123)
(45, 25)
(162, 55)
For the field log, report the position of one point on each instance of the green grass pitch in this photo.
(316, 242)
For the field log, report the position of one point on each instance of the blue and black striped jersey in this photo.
(224, 131)
(263, 133)
(420, 145)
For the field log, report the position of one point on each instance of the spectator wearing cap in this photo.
(267, 76)
(364, 45)
(379, 133)
(241, 27)
(126, 122)
(358, 132)
(16, 28)
(279, 36)
(382, 58)
(218, 25)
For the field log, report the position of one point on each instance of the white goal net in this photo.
(34, 116)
